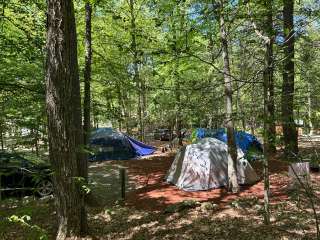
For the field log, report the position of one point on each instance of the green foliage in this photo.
(180, 62)
(81, 182)
(35, 231)
(22, 39)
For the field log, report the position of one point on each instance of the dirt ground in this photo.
(156, 210)
(147, 190)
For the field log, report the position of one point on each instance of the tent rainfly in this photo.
(109, 144)
(204, 165)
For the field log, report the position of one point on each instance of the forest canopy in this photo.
(178, 55)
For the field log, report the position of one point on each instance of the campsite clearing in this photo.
(147, 189)
(155, 209)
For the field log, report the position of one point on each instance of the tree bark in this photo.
(268, 78)
(87, 75)
(2, 128)
(269, 126)
(1, 138)
(87, 87)
(310, 125)
(232, 148)
(287, 98)
(64, 118)
(36, 141)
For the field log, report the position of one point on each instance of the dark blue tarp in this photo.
(243, 140)
(109, 144)
(141, 148)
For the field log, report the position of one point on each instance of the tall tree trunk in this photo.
(268, 78)
(178, 108)
(1, 137)
(232, 148)
(211, 79)
(87, 75)
(271, 109)
(36, 140)
(239, 108)
(64, 117)
(269, 115)
(269, 133)
(123, 109)
(310, 125)
(177, 31)
(126, 107)
(87, 90)
(177, 92)
(2, 127)
(287, 103)
(95, 113)
(268, 95)
(253, 109)
(143, 90)
(242, 68)
(136, 77)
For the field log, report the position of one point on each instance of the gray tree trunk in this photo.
(64, 118)
(232, 149)
(269, 125)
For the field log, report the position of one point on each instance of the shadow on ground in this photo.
(224, 223)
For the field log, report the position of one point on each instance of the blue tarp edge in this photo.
(243, 139)
(141, 148)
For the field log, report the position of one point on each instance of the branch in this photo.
(259, 33)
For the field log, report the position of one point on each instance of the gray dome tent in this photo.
(204, 165)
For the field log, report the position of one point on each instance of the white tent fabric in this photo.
(204, 165)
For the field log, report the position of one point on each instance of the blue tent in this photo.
(206, 132)
(243, 140)
(109, 144)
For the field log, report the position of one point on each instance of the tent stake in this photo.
(122, 172)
